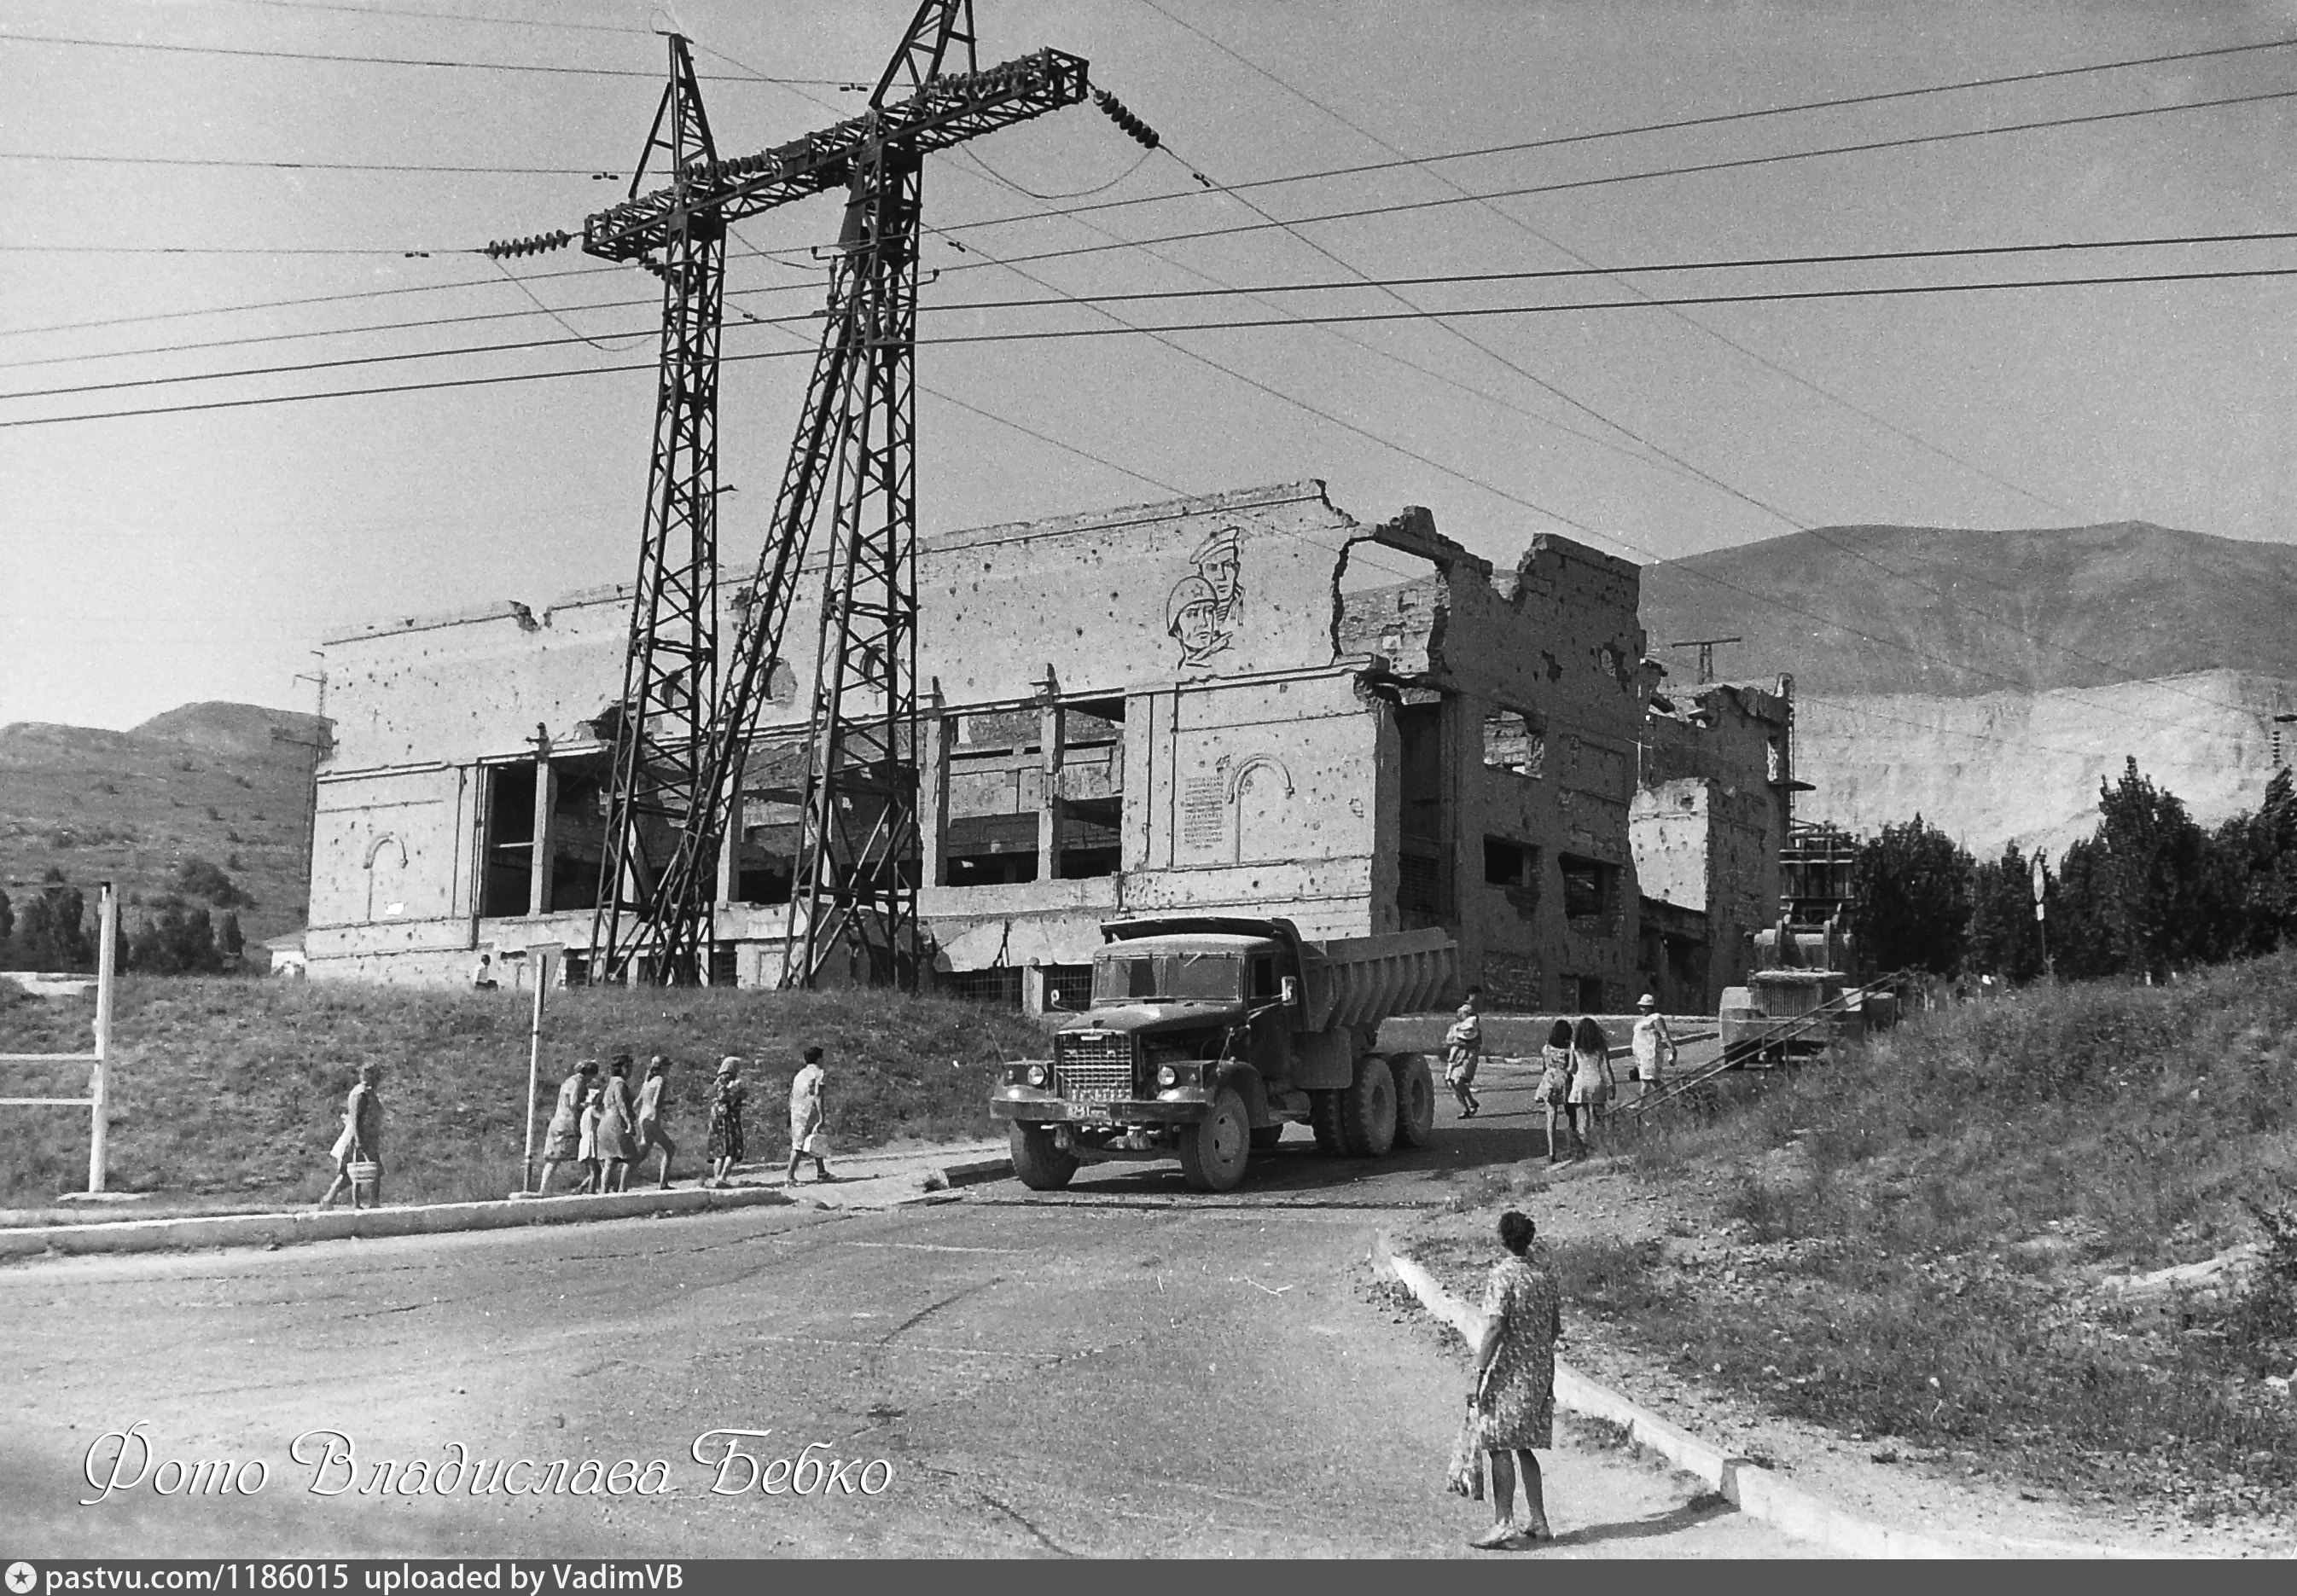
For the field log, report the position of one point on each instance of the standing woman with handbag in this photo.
(1515, 1380)
(726, 1147)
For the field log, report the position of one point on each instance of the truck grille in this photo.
(1096, 1067)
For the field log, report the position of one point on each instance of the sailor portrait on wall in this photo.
(1202, 610)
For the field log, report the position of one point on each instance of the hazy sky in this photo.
(152, 560)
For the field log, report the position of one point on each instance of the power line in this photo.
(1463, 197)
(1704, 475)
(1221, 289)
(1720, 263)
(1676, 125)
(381, 61)
(423, 387)
(1156, 331)
(1685, 316)
(316, 299)
(444, 16)
(1454, 472)
(157, 249)
(1698, 168)
(1775, 297)
(595, 172)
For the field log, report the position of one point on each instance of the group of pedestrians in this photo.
(1577, 1081)
(600, 1126)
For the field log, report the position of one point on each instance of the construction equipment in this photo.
(1797, 1007)
(1205, 1035)
(680, 732)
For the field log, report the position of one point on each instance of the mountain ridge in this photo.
(1956, 612)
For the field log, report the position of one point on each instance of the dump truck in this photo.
(1204, 1036)
(1801, 999)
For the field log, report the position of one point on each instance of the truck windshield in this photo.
(1143, 977)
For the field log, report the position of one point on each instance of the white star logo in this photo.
(21, 1578)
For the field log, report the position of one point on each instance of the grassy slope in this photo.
(205, 780)
(238, 1086)
(1927, 1221)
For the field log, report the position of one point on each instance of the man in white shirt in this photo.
(1654, 1046)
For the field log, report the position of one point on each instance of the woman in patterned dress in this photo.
(726, 1149)
(1515, 1379)
(1555, 1083)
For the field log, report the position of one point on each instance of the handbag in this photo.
(1465, 1475)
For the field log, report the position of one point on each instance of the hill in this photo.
(2126, 601)
(216, 781)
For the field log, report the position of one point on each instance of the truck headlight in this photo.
(1167, 1075)
(1038, 1074)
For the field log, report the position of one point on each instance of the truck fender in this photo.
(1249, 1086)
(1323, 1060)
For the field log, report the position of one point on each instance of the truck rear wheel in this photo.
(1368, 1109)
(1214, 1151)
(1324, 1119)
(1038, 1160)
(1415, 1099)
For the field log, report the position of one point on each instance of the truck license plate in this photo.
(1093, 1113)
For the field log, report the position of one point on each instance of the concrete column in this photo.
(937, 737)
(1051, 722)
(546, 805)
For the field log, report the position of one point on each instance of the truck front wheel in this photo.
(1415, 1099)
(1368, 1109)
(1214, 1150)
(1324, 1119)
(1038, 1159)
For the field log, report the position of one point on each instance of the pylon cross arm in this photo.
(946, 113)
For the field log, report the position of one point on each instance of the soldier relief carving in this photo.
(1201, 612)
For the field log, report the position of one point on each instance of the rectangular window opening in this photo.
(1591, 890)
(578, 831)
(506, 888)
(1506, 863)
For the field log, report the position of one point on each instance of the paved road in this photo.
(1123, 1369)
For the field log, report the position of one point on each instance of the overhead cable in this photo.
(379, 61)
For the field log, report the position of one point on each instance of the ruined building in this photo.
(1711, 814)
(1249, 702)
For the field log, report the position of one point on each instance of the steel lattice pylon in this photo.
(856, 889)
(678, 774)
(670, 676)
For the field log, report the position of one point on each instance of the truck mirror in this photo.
(1291, 991)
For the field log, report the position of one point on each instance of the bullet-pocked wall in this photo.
(1525, 691)
(1226, 702)
(1711, 810)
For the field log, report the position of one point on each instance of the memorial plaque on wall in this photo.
(1204, 813)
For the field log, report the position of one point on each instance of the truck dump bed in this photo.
(1362, 979)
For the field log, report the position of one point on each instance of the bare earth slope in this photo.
(206, 779)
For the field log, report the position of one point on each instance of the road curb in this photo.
(1750, 1488)
(433, 1218)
